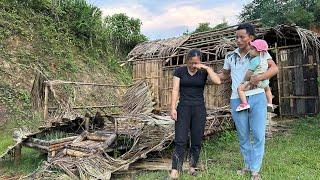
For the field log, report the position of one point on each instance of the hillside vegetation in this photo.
(64, 39)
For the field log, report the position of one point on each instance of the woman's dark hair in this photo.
(248, 27)
(194, 53)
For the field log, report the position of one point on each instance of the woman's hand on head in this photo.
(174, 114)
(201, 66)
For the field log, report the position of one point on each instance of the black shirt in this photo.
(191, 87)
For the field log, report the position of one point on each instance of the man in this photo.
(250, 121)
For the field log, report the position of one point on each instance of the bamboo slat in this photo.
(54, 82)
(32, 145)
(300, 97)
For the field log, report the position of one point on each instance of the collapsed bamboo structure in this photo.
(97, 144)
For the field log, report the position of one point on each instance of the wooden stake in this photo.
(318, 76)
(86, 125)
(46, 94)
(17, 154)
(278, 79)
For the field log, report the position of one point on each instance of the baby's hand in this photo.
(255, 79)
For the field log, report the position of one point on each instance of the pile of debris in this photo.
(121, 140)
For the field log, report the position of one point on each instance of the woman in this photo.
(189, 82)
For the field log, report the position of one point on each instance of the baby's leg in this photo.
(242, 95)
(268, 94)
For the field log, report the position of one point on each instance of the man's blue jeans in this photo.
(251, 123)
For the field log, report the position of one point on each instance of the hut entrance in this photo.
(298, 92)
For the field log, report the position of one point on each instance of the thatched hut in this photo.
(294, 49)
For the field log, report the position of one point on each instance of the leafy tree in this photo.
(124, 32)
(224, 24)
(203, 27)
(272, 12)
(206, 27)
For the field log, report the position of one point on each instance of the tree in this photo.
(203, 27)
(206, 27)
(273, 12)
(224, 24)
(124, 32)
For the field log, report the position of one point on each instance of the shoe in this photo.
(243, 106)
(270, 108)
(174, 174)
(255, 176)
(243, 171)
(192, 171)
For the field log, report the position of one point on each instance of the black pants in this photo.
(193, 119)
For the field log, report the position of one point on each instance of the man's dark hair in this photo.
(248, 27)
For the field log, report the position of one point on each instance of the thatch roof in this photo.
(219, 42)
(157, 48)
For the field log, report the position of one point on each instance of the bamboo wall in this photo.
(295, 88)
(150, 71)
(215, 95)
(297, 81)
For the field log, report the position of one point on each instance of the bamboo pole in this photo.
(75, 153)
(96, 137)
(32, 145)
(284, 47)
(278, 78)
(318, 73)
(58, 141)
(298, 66)
(17, 154)
(86, 125)
(300, 97)
(46, 95)
(54, 82)
(203, 51)
(89, 107)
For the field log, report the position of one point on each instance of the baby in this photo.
(257, 66)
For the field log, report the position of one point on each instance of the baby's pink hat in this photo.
(260, 45)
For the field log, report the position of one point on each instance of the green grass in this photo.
(30, 159)
(290, 155)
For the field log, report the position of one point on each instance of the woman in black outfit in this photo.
(190, 115)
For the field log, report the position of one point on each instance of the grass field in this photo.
(291, 155)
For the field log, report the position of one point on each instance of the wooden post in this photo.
(17, 154)
(46, 94)
(86, 123)
(318, 76)
(278, 79)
